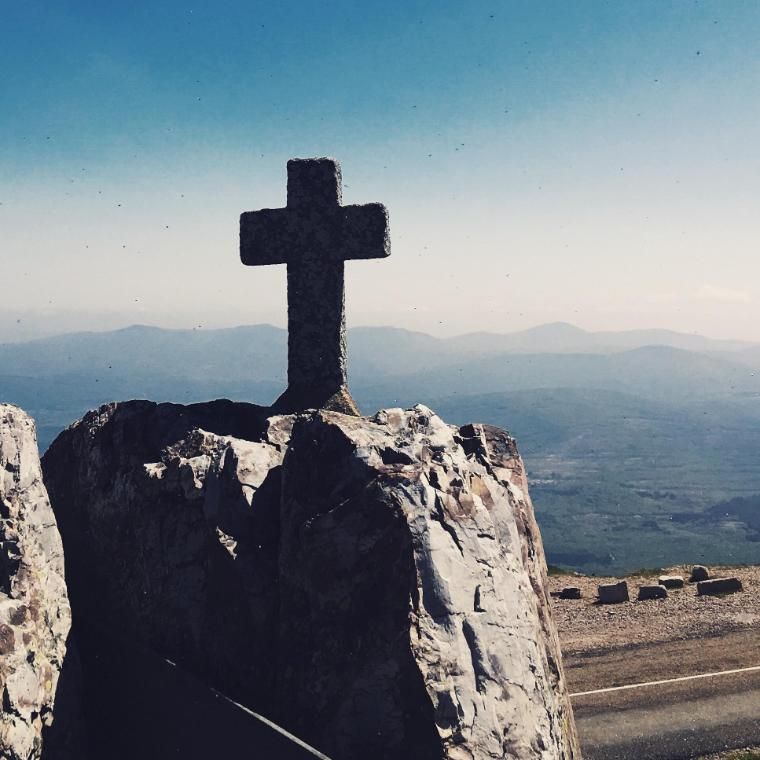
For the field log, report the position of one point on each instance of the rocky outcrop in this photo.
(35, 616)
(165, 544)
(377, 586)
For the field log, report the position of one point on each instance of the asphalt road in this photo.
(669, 721)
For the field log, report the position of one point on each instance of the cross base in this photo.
(296, 400)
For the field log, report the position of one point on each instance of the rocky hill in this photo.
(376, 586)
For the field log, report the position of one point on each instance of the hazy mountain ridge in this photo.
(558, 337)
(750, 356)
(141, 346)
(561, 337)
(620, 443)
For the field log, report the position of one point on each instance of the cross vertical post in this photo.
(314, 235)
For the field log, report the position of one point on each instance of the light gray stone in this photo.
(652, 591)
(35, 616)
(671, 581)
(449, 543)
(376, 586)
(612, 593)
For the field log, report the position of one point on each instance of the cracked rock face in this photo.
(35, 616)
(377, 586)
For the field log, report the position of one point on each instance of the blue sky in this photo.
(595, 162)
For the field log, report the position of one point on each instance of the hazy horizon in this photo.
(591, 163)
(20, 326)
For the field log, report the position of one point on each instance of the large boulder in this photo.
(166, 544)
(35, 616)
(377, 586)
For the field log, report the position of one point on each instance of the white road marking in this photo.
(667, 680)
(271, 725)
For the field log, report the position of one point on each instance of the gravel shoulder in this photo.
(587, 628)
(606, 646)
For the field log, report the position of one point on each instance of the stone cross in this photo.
(314, 235)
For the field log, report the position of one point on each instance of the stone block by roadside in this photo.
(719, 586)
(613, 593)
(671, 581)
(653, 591)
(699, 573)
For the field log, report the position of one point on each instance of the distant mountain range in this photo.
(630, 437)
(561, 337)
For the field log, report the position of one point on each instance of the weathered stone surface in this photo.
(699, 573)
(570, 592)
(448, 568)
(612, 593)
(377, 586)
(719, 586)
(653, 591)
(171, 531)
(35, 616)
(671, 581)
(314, 235)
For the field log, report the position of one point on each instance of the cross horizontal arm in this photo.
(282, 235)
(365, 233)
(266, 236)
